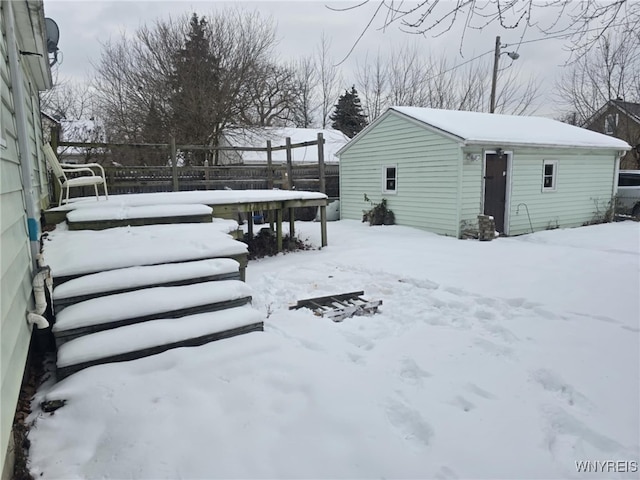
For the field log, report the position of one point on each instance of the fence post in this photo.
(323, 188)
(269, 166)
(174, 164)
(289, 165)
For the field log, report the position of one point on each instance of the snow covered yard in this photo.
(515, 358)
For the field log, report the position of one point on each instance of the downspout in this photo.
(25, 150)
(41, 281)
(616, 177)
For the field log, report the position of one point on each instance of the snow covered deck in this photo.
(99, 217)
(74, 253)
(224, 203)
(111, 311)
(129, 292)
(133, 278)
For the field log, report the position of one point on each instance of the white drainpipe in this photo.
(25, 148)
(41, 281)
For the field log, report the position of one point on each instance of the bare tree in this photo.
(307, 104)
(188, 77)
(609, 71)
(409, 78)
(72, 104)
(372, 78)
(273, 96)
(67, 99)
(328, 79)
(581, 23)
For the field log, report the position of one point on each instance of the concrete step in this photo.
(128, 279)
(149, 338)
(112, 311)
(103, 217)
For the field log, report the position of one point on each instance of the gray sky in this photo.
(85, 24)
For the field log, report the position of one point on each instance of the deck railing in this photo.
(121, 180)
(319, 177)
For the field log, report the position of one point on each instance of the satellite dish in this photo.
(53, 35)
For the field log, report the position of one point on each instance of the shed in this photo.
(440, 169)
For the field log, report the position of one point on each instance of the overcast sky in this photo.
(85, 24)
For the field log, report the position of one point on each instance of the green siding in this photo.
(471, 190)
(15, 255)
(584, 188)
(427, 175)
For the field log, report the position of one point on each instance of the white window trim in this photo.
(610, 123)
(554, 177)
(384, 179)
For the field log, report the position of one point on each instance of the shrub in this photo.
(379, 214)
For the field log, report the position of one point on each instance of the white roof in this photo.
(491, 128)
(334, 141)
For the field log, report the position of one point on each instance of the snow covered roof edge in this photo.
(510, 130)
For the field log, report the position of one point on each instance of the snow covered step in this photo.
(102, 217)
(143, 339)
(134, 278)
(71, 254)
(113, 311)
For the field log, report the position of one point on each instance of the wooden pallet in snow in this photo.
(339, 307)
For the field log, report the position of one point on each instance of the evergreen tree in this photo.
(195, 83)
(348, 116)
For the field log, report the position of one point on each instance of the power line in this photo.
(548, 37)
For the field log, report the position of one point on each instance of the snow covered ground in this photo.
(515, 358)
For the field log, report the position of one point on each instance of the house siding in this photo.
(471, 205)
(427, 175)
(626, 128)
(15, 254)
(583, 194)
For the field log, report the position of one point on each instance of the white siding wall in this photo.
(15, 257)
(583, 191)
(427, 190)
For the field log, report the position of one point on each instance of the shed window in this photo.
(390, 179)
(549, 174)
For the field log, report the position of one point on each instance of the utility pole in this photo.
(496, 60)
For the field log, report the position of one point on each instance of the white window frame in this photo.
(610, 123)
(384, 179)
(554, 175)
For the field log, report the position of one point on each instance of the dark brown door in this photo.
(495, 188)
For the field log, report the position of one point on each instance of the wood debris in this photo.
(339, 307)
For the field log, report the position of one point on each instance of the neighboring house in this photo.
(620, 119)
(440, 169)
(49, 123)
(24, 71)
(257, 138)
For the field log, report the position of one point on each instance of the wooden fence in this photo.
(318, 177)
(121, 180)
